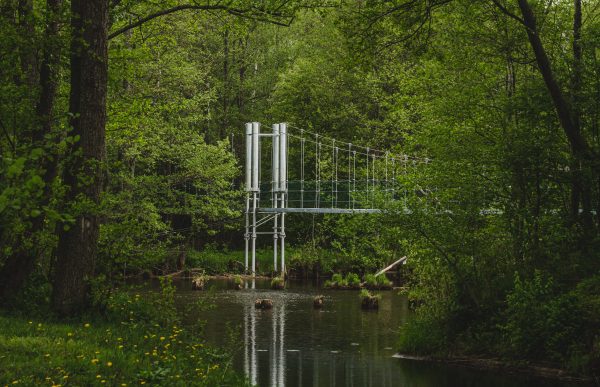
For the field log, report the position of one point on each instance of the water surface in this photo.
(339, 345)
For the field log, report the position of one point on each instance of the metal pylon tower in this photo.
(278, 191)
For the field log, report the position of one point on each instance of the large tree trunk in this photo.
(19, 265)
(77, 245)
(568, 116)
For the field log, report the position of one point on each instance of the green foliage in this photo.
(218, 261)
(96, 351)
(238, 280)
(544, 323)
(364, 293)
(338, 281)
(370, 280)
(277, 283)
(353, 280)
(424, 334)
(382, 280)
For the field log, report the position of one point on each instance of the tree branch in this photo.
(505, 11)
(246, 13)
(10, 141)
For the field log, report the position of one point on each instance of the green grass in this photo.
(129, 351)
(215, 261)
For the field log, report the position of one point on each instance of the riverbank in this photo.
(507, 367)
(138, 339)
(301, 262)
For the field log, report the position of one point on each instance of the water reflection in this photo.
(317, 347)
(340, 345)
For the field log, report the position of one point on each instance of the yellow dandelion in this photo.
(162, 338)
(94, 361)
(98, 376)
(109, 363)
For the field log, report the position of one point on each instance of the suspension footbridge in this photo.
(301, 171)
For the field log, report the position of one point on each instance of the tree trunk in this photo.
(567, 115)
(20, 265)
(77, 247)
(29, 68)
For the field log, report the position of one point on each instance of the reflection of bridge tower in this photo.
(277, 351)
(347, 179)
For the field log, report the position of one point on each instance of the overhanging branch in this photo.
(246, 13)
(505, 11)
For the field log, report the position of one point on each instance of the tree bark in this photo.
(567, 115)
(29, 68)
(77, 247)
(19, 266)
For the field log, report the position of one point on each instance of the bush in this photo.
(339, 282)
(424, 334)
(383, 281)
(277, 283)
(353, 280)
(541, 322)
(370, 280)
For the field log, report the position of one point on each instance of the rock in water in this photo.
(198, 283)
(370, 302)
(263, 303)
(318, 302)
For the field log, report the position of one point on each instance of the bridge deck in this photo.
(319, 210)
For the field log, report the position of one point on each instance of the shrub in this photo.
(383, 281)
(367, 300)
(353, 280)
(424, 334)
(370, 280)
(277, 283)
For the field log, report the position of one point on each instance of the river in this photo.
(294, 344)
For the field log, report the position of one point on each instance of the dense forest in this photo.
(122, 143)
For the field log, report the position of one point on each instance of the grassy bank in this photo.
(301, 261)
(139, 340)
